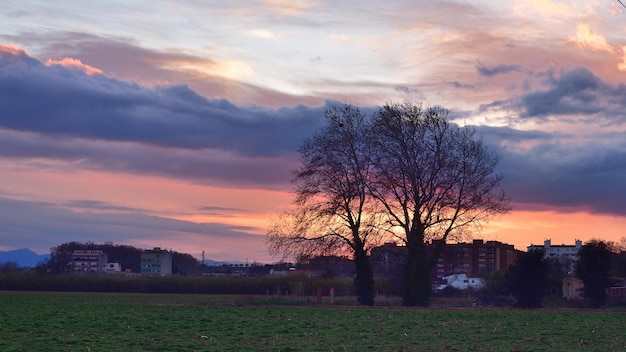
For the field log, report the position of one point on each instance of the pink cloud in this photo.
(75, 64)
(11, 50)
(586, 38)
(12, 53)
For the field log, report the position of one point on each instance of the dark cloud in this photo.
(554, 169)
(498, 69)
(214, 209)
(459, 85)
(215, 167)
(498, 135)
(96, 205)
(574, 92)
(103, 123)
(65, 102)
(125, 59)
(571, 94)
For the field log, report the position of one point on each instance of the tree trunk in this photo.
(417, 289)
(364, 279)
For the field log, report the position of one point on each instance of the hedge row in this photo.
(289, 285)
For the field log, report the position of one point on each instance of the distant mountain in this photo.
(209, 262)
(24, 257)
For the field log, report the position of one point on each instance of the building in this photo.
(462, 281)
(88, 260)
(475, 259)
(565, 254)
(111, 268)
(387, 260)
(572, 287)
(327, 266)
(156, 262)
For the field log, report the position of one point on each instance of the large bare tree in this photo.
(435, 179)
(333, 212)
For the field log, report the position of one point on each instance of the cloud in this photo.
(73, 63)
(545, 8)
(498, 69)
(586, 38)
(73, 104)
(262, 33)
(558, 170)
(291, 7)
(99, 122)
(220, 211)
(622, 65)
(213, 166)
(579, 92)
(575, 94)
(12, 52)
(99, 206)
(56, 225)
(549, 175)
(124, 59)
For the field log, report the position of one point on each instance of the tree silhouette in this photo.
(435, 181)
(526, 278)
(333, 212)
(593, 269)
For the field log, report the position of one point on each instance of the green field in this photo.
(44, 321)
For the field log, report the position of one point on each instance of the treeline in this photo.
(287, 285)
(129, 257)
(533, 276)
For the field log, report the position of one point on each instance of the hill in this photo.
(24, 257)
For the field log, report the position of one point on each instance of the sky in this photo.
(175, 124)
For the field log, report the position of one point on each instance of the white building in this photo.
(88, 260)
(567, 254)
(462, 282)
(111, 268)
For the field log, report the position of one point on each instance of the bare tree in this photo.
(333, 212)
(622, 244)
(435, 180)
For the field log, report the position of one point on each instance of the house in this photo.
(111, 268)
(462, 282)
(571, 288)
(88, 260)
(156, 262)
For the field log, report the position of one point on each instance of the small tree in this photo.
(593, 269)
(526, 278)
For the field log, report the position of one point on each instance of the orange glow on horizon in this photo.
(523, 228)
(254, 208)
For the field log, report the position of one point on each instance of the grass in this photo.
(44, 321)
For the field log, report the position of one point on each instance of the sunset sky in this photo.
(176, 123)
